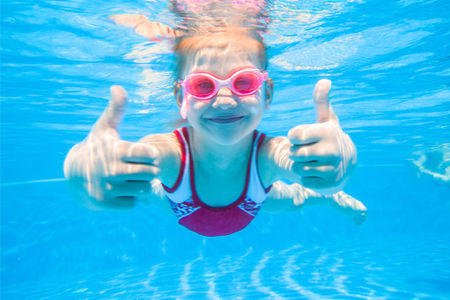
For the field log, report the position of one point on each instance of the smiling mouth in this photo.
(229, 119)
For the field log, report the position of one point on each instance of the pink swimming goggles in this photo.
(204, 86)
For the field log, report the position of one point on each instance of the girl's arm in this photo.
(293, 197)
(107, 172)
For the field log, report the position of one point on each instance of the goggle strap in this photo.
(183, 109)
(265, 75)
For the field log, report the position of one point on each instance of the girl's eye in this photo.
(202, 86)
(246, 83)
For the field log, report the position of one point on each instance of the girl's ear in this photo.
(178, 93)
(268, 92)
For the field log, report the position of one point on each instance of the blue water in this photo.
(390, 67)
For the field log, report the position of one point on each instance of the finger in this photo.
(138, 153)
(306, 134)
(130, 188)
(315, 160)
(321, 100)
(132, 171)
(315, 153)
(324, 171)
(114, 111)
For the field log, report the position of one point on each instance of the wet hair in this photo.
(229, 25)
(232, 38)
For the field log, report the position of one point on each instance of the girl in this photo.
(217, 172)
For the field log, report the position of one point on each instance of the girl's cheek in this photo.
(198, 105)
(252, 100)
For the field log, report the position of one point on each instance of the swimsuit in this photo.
(215, 221)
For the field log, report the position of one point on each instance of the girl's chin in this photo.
(227, 138)
(225, 133)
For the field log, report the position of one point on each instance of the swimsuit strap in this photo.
(256, 190)
(181, 190)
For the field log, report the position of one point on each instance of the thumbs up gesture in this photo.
(107, 171)
(321, 153)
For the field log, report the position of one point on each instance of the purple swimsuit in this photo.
(215, 221)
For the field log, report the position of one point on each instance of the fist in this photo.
(321, 153)
(105, 171)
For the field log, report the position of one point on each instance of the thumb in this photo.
(321, 101)
(114, 111)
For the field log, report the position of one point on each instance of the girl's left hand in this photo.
(323, 155)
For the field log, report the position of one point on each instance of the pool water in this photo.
(390, 67)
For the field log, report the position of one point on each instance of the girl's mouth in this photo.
(226, 119)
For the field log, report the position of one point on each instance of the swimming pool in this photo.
(390, 67)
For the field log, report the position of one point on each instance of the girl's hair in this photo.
(233, 25)
(234, 39)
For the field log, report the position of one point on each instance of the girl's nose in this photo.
(224, 99)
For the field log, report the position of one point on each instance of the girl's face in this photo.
(226, 118)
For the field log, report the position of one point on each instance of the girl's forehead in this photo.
(221, 60)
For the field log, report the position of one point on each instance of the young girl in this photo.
(218, 171)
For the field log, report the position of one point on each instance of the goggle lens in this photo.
(201, 86)
(246, 83)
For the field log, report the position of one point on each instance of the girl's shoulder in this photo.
(160, 138)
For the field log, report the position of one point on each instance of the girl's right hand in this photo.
(105, 171)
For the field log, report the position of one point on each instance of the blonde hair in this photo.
(232, 38)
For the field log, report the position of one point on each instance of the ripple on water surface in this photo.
(311, 273)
